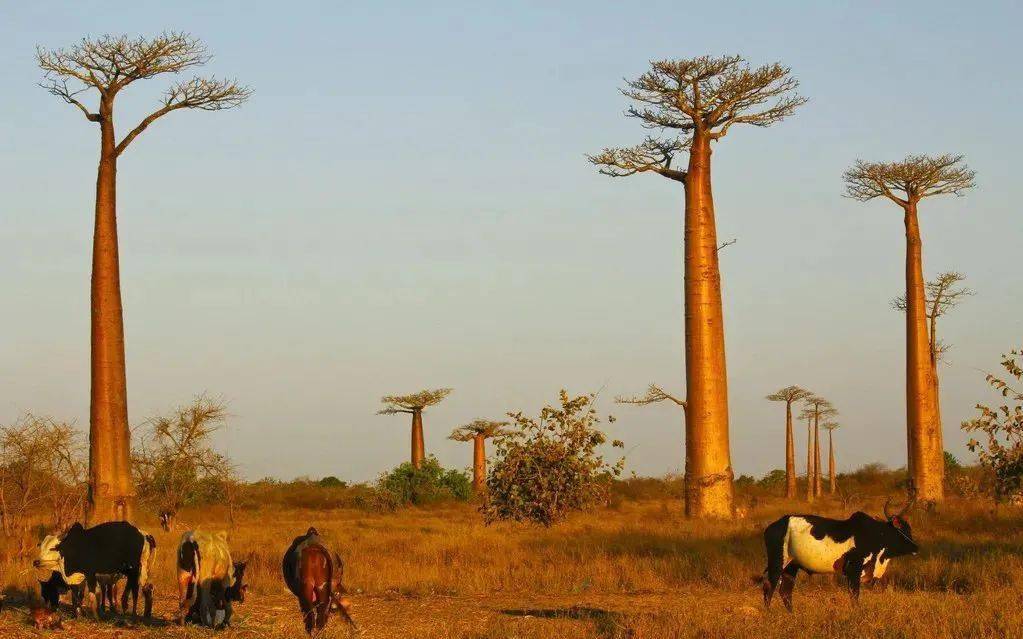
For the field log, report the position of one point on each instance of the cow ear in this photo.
(895, 521)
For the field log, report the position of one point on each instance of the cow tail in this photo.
(339, 566)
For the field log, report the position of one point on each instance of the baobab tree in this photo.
(817, 408)
(701, 99)
(809, 453)
(831, 427)
(107, 65)
(477, 432)
(414, 405)
(940, 296)
(789, 395)
(906, 183)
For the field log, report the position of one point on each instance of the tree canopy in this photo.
(485, 428)
(697, 96)
(789, 394)
(910, 180)
(412, 403)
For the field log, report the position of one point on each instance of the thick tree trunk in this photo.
(708, 457)
(479, 464)
(809, 460)
(111, 494)
(818, 468)
(923, 424)
(418, 448)
(790, 455)
(832, 485)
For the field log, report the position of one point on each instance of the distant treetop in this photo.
(412, 403)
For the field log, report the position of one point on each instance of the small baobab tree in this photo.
(808, 416)
(941, 295)
(477, 432)
(108, 65)
(817, 408)
(831, 427)
(414, 405)
(789, 395)
(906, 183)
(700, 99)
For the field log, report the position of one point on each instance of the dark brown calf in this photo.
(314, 576)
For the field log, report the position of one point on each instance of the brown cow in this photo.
(314, 576)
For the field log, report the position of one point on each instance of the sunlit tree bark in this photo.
(906, 183)
(817, 408)
(832, 481)
(414, 405)
(108, 65)
(701, 98)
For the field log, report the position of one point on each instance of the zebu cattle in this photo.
(859, 548)
(81, 558)
(314, 575)
(208, 580)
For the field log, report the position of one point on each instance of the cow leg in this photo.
(774, 546)
(322, 606)
(788, 583)
(207, 611)
(307, 600)
(853, 570)
(147, 597)
(186, 595)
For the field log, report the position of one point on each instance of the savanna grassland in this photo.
(635, 569)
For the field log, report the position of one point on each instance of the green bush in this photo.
(408, 485)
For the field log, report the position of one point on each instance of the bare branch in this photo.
(652, 155)
(654, 394)
(940, 294)
(207, 94)
(59, 88)
(728, 243)
(485, 428)
(790, 394)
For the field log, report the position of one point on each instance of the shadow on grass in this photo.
(609, 625)
(23, 599)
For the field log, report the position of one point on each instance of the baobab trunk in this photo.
(818, 472)
(418, 449)
(708, 457)
(479, 464)
(790, 455)
(926, 452)
(111, 494)
(809, 460)
(832, 485)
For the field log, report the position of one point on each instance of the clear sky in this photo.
(405, 204)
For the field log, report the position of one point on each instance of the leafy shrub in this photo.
(1002, 453)
(431, 483)
(331, 482)
(549, 466)
(772, 479)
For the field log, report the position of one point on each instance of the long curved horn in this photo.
(909, 502)
(887, 503)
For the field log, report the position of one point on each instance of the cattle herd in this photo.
(92, 562)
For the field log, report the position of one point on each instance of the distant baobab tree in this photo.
(414, 405)
(808, 416)
(817, 408)
(940, 296)
(906, 183)
(789, 395)
(701, 99)
(108, 64)
(477, 432)
(831, 427)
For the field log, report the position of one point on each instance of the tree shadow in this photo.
(608, 624)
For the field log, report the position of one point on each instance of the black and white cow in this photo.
(81, 558)
(859, 548)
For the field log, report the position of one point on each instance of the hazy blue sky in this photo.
(405, 203)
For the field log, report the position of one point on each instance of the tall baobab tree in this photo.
(906, 183)
(789, 395)
(414, 405)
(941, 295)
(831, 427)
(817, 408)
(108, 65)
(477, 432)
(701, 99)
(809, 454)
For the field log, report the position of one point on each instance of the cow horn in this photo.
(905, 507)
(887, 503)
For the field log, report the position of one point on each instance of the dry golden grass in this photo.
(639, 570)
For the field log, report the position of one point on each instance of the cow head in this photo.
(236, 592)
(51, 555)
(899, 541)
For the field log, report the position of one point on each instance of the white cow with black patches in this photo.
(859, 548)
